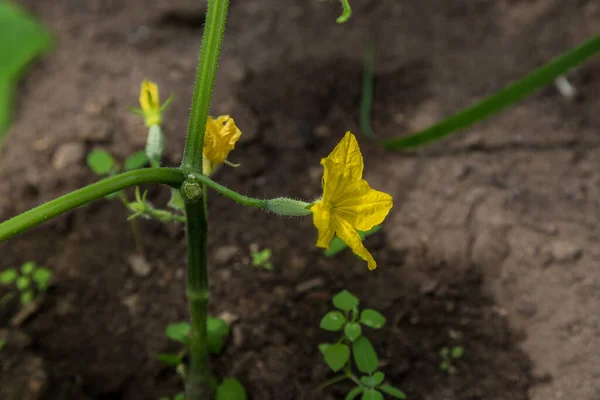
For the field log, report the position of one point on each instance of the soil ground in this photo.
(491, 244)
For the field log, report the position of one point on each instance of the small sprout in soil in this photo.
(261, 258)
(31, 281)
(2, 344)
(218, 331)
(352, 345)
(449, 357)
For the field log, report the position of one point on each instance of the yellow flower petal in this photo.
(361, 205)
(221, 136)
(342, 166)
(149, 100)
(150, 103)
(322, 221)
(348, 234)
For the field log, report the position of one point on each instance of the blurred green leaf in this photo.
(352, 331)
(2, 344)
(217, 330)
(354, 393)
(337, 245)
(457, 352)
(23, 283)
(42, 276)
(27, 268)
(172, 360)
(372, 394)
(372, 318)
(27, 297)
(323, 347)
(100, 161)
(365, 356)
(180, 332)
(345, 301)
(8, 276)
(136, 160)
(373, 380)
(23, 39)
(392, 391)
(333, 321)
(179, 396)
(230, 389)
(502, 99)
(336, 356)
(176, 202)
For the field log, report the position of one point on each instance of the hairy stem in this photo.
(208, 63)
(198, 385)
(95, 191)
(225, 191)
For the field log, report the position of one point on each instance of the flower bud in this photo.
(289, 207)
(154, 145)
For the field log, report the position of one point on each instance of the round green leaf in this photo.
(354, 393)
(365, 356)
(217, 330)
(336, 356)
(42, 276)
(136, 160)
(100, 162)
(372, 318)
(8, 276)
(27, 268)
(179, 396)
(179, 332)
(352, 330)
(372, 394)
(392, 391)
(345, 301)
(457, 352)
(27, 297)
(333, 321)
(23, 282)
(230, 389)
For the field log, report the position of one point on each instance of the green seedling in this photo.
(31, 281)
(217, 333)
(449, 357)
(351, 323)
(262, 259)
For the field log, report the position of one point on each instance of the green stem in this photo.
(95, 191)
(208, 63)
(198, 385)
(235, 196)
(329, 382)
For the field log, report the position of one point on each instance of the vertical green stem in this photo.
(199, 379)
(198, 385)
(216, 17)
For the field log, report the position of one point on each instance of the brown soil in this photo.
(491, 244)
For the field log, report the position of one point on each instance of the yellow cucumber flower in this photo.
(220, 138)
(348, 203)
(150, 103)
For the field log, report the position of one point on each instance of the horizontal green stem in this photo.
(95, 191)
(244, 200)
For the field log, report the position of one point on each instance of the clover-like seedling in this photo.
(262, 259)
(217, 332)
(449, 357)
(31, 281)
(349, 321)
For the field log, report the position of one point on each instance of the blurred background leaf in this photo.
(22, 40)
